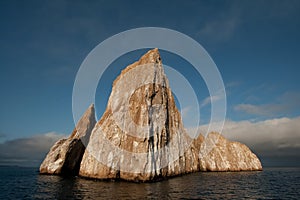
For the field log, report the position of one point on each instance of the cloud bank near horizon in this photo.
(274, 141)
(272, 137)
(27, 151)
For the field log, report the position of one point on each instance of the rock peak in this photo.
(152, 56)
(65, 155)
(92, 106)
(87, 118)
(141, 137)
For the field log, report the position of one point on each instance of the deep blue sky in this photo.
(255, 45)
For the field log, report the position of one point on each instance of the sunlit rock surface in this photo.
(141, 137)
(65, 155)
(227, 155)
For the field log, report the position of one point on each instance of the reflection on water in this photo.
(270, 183)
(78, 188)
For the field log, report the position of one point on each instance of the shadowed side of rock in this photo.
(65, 156)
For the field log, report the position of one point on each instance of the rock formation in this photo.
(225, 155)
(66, 154)
(141, 137)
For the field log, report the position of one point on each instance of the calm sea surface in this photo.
(272, 183)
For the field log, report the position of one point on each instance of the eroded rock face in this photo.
(226, 155)
(66, 154)
(141, 137)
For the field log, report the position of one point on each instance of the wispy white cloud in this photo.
(220, 29)
(219, 95)
(185, 111)
(209, 100)
(223, 25)
(285, 103)
(232, 84)
(265, 110)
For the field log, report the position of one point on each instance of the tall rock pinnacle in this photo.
(141, 137)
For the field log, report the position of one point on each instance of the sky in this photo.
(254, 44)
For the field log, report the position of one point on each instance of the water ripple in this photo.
(272, 183)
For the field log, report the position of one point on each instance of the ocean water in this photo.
(272, 183)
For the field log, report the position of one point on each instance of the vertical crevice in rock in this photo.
(167, 122)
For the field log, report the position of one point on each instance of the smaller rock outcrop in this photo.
(65, 155)
(225, 155)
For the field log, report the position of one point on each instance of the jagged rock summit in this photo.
(141, 137)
